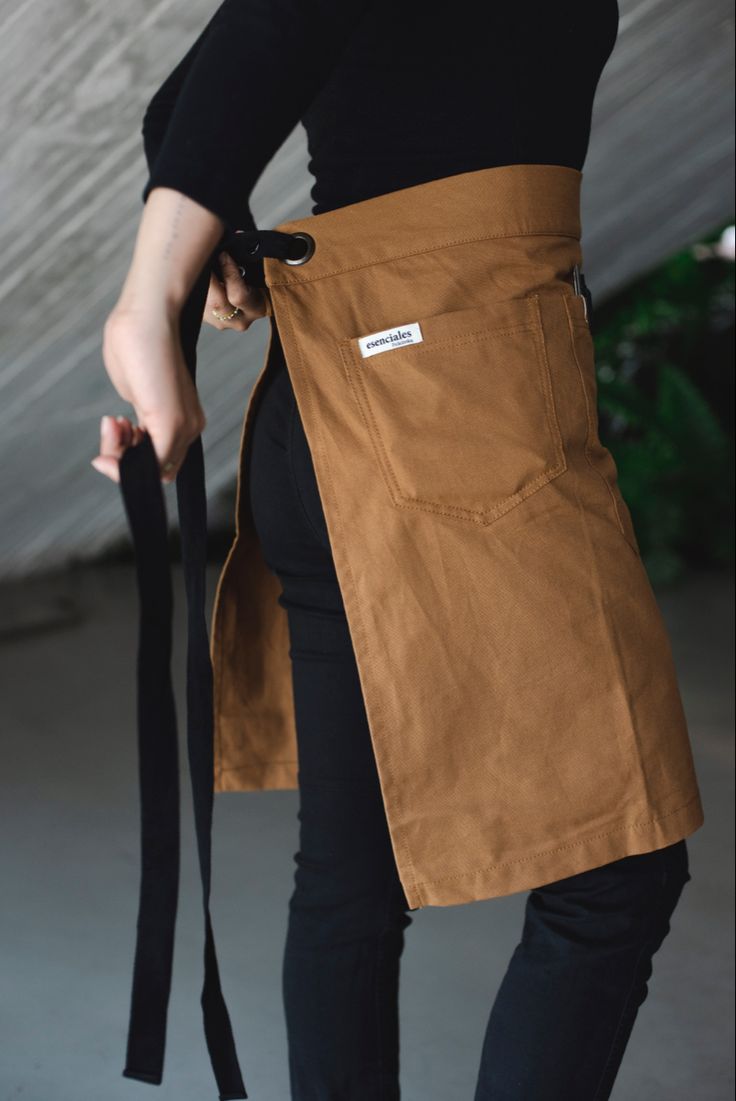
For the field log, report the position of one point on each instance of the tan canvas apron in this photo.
(517, 676)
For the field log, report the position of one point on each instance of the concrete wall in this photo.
(74, 80)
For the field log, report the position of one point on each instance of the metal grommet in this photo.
(309, 252)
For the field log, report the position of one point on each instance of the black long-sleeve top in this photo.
(391, 93)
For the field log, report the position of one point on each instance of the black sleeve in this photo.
(161, 106)
(236, 95)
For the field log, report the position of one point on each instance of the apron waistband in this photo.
(490, 204)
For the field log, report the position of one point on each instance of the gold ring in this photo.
(227, 316)
(169, 466)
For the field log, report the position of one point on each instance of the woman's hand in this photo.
(144, 359)
(234, 291)
(141, 342)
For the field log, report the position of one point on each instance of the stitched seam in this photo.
(472, 336)
(589, 420)
(482, 516)
(368, 418)
(239, 768)
(423, 252)
(367, 652)
(562, 848)
(546, 373)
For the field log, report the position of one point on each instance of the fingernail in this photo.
(104, 422)
(95, 464)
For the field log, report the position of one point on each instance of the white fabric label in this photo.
(384, 341)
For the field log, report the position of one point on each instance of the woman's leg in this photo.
(348, 912)
(566, 1007)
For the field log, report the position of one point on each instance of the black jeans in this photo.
(565, 1009)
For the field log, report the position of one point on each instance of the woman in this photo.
(480, 688)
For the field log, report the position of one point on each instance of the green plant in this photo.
(664, 360)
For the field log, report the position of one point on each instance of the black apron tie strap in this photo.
(145, 508)
(247, 247)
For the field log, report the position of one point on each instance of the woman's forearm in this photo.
(176, 236)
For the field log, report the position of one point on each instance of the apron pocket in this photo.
(461, 417)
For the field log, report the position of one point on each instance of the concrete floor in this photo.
(70, 877)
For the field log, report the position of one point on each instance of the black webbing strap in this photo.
(145, 508)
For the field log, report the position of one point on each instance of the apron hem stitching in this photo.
(562, 848)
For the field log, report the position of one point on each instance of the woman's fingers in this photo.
(116, 433)
(217, 304)
(115, 437)
(233, 297)
(249, 299)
